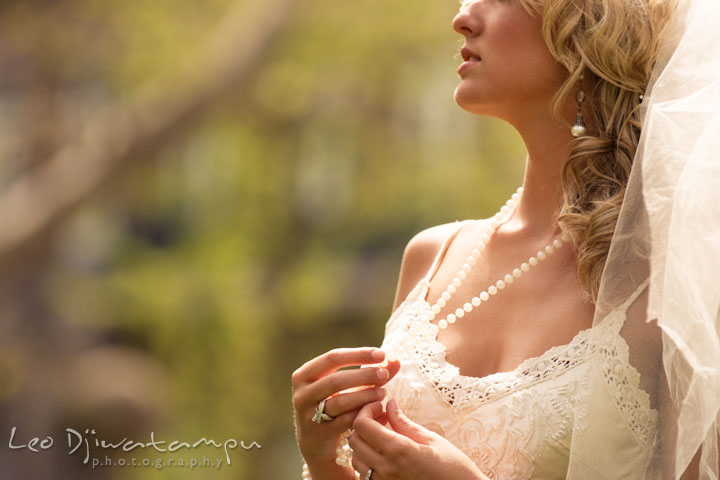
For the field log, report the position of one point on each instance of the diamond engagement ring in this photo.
(369, 474)
(320, 416)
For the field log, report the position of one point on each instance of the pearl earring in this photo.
(579, 129)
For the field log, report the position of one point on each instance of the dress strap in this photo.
(443, 249)
(633, 296)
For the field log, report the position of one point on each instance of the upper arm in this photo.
(692, 472)
(419, 256)
(669, 426)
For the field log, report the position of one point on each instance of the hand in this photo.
(410, 452)
(321, 378)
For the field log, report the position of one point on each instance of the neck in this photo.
(547, 144)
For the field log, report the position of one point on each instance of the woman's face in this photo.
(508, 70)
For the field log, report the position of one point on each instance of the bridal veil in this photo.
(668, 238)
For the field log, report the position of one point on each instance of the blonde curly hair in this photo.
(615, 43)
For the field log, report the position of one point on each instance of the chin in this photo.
(469, 105)
(474, 101)
(461, 100)
(468, 100)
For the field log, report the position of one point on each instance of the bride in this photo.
(558, 338)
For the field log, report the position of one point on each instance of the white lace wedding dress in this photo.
(521, 424)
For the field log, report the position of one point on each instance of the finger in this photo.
(364, 451)
(341, 423)
(334, 359)
(404, 426)
(393, 366)
(382, 419)
(343, 380)
(346, 402)
(364, 457)
(359, 466)
(367, 425)
(336, 426)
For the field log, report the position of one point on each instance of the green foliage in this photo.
(273, 230)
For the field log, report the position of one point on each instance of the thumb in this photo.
(404, 426)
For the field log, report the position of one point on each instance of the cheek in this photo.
(522, 47)
(526, 65)
(517, 69)
(506, 84)
(551, 75)
(537, 71)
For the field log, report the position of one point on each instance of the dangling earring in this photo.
(579, 129)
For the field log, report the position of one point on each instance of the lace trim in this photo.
(462, 392)
(624, 386)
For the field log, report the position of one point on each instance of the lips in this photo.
(468, 55)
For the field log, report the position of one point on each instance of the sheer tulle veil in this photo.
(668, 240)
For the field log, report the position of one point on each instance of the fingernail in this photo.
(378, 355)
(383, 374)
(380, 393)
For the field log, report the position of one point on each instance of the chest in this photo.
(540, 310)
(520, 424)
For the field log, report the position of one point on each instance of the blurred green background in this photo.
(198, 197)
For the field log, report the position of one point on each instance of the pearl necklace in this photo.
(484, 296)
(344, 452)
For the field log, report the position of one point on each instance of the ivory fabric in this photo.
(522, 424)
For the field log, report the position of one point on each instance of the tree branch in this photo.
(122, 134)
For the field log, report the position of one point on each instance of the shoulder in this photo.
(419, 255)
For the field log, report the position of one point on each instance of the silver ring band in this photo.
(369, 474)
(320, 416)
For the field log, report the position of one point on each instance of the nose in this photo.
(465, 22)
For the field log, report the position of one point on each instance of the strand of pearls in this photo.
(344, 456)
(344, 452)
(485, 295)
